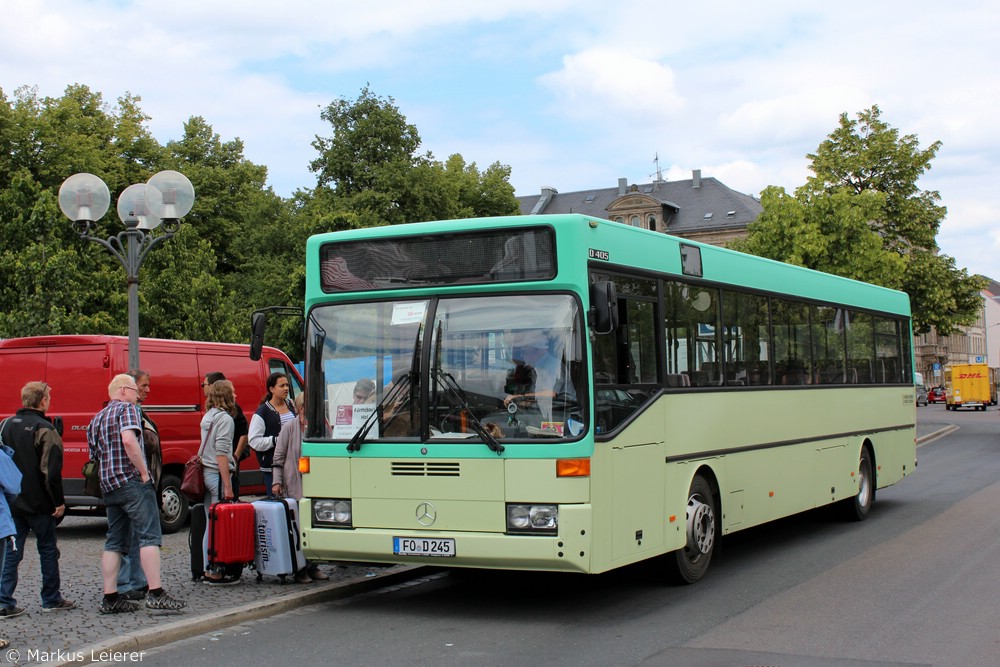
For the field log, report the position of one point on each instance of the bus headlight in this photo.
(537, 519)
(332, 512)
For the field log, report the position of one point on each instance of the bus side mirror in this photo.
(258, 321)
(603, 307)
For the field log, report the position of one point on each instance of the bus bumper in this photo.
(567, 551)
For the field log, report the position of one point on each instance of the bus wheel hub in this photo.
(700, 527)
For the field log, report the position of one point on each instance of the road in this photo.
(915, 584)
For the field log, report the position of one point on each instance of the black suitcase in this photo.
(196, 540)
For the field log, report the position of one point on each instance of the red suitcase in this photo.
(231, 533)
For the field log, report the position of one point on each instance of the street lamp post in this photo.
(166, 198)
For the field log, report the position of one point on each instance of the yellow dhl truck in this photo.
(968, 386)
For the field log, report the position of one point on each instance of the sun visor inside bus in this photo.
(493, 255)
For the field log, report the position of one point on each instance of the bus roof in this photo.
(577, 236)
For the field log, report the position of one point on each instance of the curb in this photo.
(940, 433)
(197, 625)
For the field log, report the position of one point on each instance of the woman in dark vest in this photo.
(274, 410)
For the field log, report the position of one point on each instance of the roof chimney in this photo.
(548, 192)
(696, 178)
(622, 186)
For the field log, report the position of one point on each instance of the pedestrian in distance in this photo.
(274, 410)
(241, 428)
(288, 479)
(131, 581)
(10, 486)
(114, 437)
(218, 464)
(38, 454)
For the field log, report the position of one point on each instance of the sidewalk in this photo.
(39, 637)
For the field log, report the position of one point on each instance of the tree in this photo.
(861, 215)
(371, 168)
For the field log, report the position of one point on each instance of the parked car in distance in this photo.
(922, 396)
(936, 395)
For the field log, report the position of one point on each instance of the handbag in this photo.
(92, 478)
(193, 480)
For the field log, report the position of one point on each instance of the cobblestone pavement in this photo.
(38, 636)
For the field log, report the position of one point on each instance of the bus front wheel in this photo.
(690, 564)
(858, 507)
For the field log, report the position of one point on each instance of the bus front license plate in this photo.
(422, 546)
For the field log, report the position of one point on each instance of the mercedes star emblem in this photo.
(426, 514)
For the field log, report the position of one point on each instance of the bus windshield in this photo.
(509, 366)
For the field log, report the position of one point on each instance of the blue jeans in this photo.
(133, 516)
(44, 527)
(130, 574)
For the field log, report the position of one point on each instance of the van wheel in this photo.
(690, 564)
(174, 508)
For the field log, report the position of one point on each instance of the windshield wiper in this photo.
(395, 392)
(455, 391)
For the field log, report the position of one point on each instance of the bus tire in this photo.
(689, 565)
(859, 506)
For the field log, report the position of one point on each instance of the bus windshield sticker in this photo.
(408, 313)
(347, 419)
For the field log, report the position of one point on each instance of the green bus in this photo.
(566, 393)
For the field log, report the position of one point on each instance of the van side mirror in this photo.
(258, 322)
(603, 307)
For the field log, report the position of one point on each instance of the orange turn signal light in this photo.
(572, 467)
(303, 464)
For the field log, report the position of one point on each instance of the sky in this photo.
(571, 94)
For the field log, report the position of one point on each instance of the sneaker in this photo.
(315, 573)
(11, 612)
(120, 606)
(303, 577)
(136, 594)
(62, 605)
(163, 602)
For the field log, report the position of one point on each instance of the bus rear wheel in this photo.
(690, 564)
(858, 507)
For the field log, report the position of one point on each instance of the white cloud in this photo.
(616, 87)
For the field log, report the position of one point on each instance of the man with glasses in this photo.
(38, 454)
(131, 581)
(115, 440)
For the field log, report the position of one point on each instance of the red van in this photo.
(80, 368)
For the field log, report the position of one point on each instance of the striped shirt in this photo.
(104, 436)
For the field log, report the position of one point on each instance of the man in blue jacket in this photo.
(10, 486)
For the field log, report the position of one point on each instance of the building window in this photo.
(652, 223)
(634, 221)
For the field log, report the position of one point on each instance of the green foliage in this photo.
(240, 248)
(862, 215)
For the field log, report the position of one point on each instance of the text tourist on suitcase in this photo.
(274, 411)
(288, 479)
(218, 463)
(115, 440)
